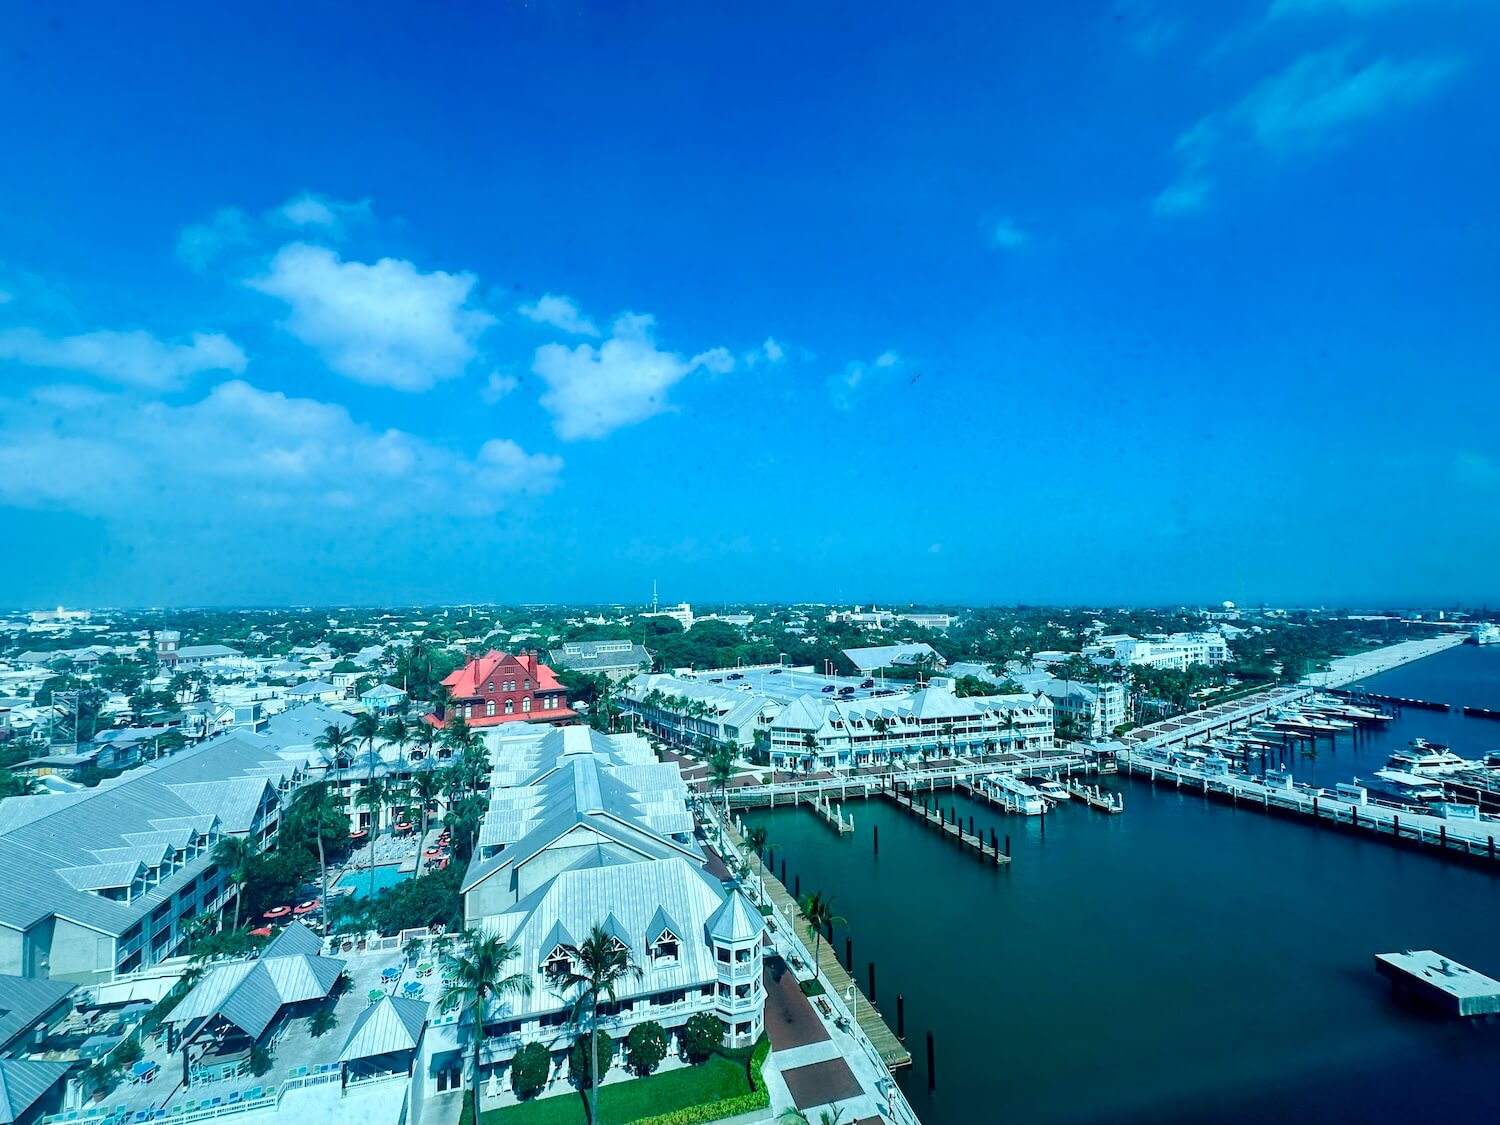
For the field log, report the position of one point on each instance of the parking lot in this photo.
(788, 684)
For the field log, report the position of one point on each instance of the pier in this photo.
(834, 817)
(1095, 797)
(1220, 718)
(1481, 713)
(1471, 839)
(1437, 982)
(954, 830)
(1393, 700)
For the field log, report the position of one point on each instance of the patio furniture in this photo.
(412, 989)
(375, 994)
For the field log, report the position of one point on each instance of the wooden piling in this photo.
(931, 1065)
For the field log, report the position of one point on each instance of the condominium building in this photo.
(586, 829)
(1176, 651)
(818, 732)
(619, 660)
(689, 710)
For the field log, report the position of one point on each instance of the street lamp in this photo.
(851, 994)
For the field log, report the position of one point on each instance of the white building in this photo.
(1176, 651)
(815, 731)
(687, 710)
(587, 829)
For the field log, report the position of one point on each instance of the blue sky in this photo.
(1071, 302)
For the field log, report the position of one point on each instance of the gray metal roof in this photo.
(737, 920)
(249, 993)
(22, 1084)
(25, 1001)
(387, 1026)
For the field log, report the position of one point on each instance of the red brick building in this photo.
(500, 688)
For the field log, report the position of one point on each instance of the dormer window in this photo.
(558, 963)
(666, 948)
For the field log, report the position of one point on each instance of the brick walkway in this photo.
(790, 1019)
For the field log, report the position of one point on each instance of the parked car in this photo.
(828, 687)
(735, 676)
(777, 671)
(867, 683)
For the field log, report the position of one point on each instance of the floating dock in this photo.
(1095, 797)
(1427, 976)
(953, 829)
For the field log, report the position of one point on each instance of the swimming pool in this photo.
(387, 875)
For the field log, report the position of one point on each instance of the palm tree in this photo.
(399, 731)
(372, 795)
(721, 773)
(426, 787)
(596, 968)
(478, 977)
(463, 821)
(758, 840)
(233, 854)
(946, 731)
(426, 738)
(820, 916)
(333, 742)
(810, 743)
(310, 803)
(794, 1116)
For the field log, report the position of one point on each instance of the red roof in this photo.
(465, 682)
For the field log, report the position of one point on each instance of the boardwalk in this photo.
(890, 1049)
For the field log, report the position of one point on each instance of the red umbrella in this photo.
(305, 907)
(276, 912)
(263, 931)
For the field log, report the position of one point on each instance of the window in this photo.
(489, 707)
(557, 962)
(526, 703)
(510, 706)
(526, 684)
(666, 947)
(490, 687)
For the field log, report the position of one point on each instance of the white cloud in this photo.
(312, 210)
(136, 358)
(386, 324)
(497, 387)
(591, 392)
(1008, 234)
(561, 313)
(200, 245)
(771, 352)
(844, 387)
(775, 353)
(245, 452)
(1314, 101)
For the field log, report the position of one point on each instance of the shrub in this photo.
(579, 1063)
(757, 1099)
(129, 1051)
(702, 1036)
(261, 1060)
(646, 1046)
(529, 1070)
(812, 987)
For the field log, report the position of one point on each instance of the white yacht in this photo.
(1407, 788)
(1485, 634)
(1428, 759)
(1016, 795)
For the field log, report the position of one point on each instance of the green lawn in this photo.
(719, 1077)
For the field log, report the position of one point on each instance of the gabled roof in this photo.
(391, 1024)
(293, 941)
(23, 1082)
(26, 1000)
(464, 682)
(661, 921)
(249, 993)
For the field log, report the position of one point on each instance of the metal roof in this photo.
(22, 1084)
(387, 1026)
(25, 1001)
(249, 993)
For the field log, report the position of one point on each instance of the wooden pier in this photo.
(891, 1050)
(1481, 713)
(833, 817)
(954, 831)
(1472, 840)
(1393, 700)
(1435, 981)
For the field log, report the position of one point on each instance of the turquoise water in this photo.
(1184, 961)
(387, 875)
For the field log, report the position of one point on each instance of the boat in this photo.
(1484, 634)
(1403, 788)
(1016, 795)
(1052, 790)
(1429, 759)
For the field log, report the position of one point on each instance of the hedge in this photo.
(758, 1098)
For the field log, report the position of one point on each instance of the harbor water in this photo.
(1184, 961)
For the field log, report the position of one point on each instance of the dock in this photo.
(952, 829)
(1432, 979)
(1481, 713)
(1470, 838)
(833, 817)
(1095, 797)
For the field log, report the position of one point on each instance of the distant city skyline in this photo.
(1132, 304)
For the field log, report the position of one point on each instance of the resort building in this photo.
(588, 829)
(690, 710)
(500, 688)
(818, 732)
(115, 871)
(619, 660)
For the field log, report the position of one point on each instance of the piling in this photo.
(931, 1065)
(900, 1017)
(848, 953)
(872, 982)
(971, 826)
(797, 887)
(1007, 845)
(877, 839)
(783, 872)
